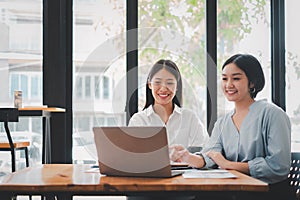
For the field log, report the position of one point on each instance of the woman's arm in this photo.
(180, 154)
(138, 119)
(219, 159)
(276, 130)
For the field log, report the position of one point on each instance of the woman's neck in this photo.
(242, 106)
(164, 111)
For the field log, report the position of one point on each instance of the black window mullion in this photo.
(57, 75)
(132, 58)
(211, 67)
(278, 52)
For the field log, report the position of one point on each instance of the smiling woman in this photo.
(163, 107)
(254, 138)
(163, 84)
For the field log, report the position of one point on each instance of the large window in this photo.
(293, 70)
(243, 27)
(99, 68)
(21, 69)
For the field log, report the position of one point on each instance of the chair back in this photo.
(9, 115)
(295, 172)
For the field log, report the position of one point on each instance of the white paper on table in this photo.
(92, 170)
(211, 173)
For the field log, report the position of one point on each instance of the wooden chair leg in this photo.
(26, 157)
(13, 160)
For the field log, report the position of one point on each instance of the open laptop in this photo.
(133, 151)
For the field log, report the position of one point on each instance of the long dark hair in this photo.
(171, 67)
(253, 70)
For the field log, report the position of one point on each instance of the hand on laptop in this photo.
(178, 153)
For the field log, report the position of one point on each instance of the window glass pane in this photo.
(111, 121)
(36, 124)
(12, 126)
(35, 87)
(106, 88)
(78, 87)
(23, 125)
(2, 127)
(21, 33)
(83, 124)
(293, 69)
(98, 51)
(97, 87)
(24, 86)
(175, 30)
(87, 86)
(243, 27)
(99, 121)
(14, 84)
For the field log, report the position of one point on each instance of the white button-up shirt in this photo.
(183, 126)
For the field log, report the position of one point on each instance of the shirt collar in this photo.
(150, 111)
(177, 109)
(252, 106)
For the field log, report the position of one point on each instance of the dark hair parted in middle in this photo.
(171, 67)
(253, 70)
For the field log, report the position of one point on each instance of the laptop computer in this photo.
(133, 151)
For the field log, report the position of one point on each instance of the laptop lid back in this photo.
(133, 151)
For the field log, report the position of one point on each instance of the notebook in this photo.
(133, 151)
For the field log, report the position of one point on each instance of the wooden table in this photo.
(65, 180)
(44, 112)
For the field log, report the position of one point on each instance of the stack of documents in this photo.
(211, 173)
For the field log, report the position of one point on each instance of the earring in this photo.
(252, 90)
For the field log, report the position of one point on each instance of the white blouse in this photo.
(183, 126)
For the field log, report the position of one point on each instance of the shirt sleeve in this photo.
(275, 165)
(136, 120)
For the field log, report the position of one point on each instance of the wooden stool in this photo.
(20, 145)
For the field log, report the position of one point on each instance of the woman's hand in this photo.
(178, 153)
(223, 163)
(219, 159)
